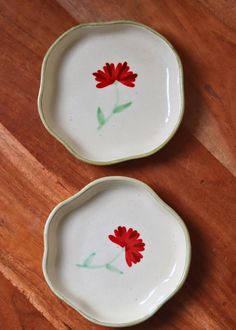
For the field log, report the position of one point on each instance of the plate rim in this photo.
(75, 153)
(77, 195)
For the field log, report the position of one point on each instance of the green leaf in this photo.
(88, 260)
(121, 107)
(100, 116)
(113, 269)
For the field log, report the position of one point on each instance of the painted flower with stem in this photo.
(112, 74)
(131, 245)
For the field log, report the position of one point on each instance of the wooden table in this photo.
(194, 173)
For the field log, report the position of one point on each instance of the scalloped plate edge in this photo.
(159, 200)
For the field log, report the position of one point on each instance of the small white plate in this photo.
(131, 110)
(115, 251)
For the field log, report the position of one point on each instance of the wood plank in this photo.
(16, 312)
(23, 204)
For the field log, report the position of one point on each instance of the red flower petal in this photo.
(129, 239)
(110, 74)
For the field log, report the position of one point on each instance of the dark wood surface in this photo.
(16, 312)
(194, 173)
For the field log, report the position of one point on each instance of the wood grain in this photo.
(194, 173)
(16, 312)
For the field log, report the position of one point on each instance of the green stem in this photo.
(116, 256)
(106, 265)
(117, 94)
(116, 103)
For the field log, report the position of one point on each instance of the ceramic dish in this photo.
(111, 91)
(115, 251)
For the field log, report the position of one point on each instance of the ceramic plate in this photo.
(115, 251)
(111, 91)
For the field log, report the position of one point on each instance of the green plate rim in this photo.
(42, 84)
(76, 196)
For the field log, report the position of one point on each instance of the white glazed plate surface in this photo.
(104, 113)
(115, 251)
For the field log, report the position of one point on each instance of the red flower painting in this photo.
(111, 73)
(131, 241)
(131, 245)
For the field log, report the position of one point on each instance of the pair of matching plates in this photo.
(111, 92)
